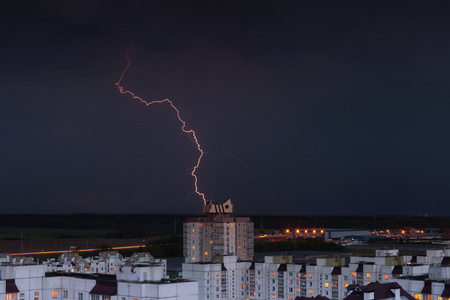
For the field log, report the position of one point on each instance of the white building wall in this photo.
(172, 291)
(439, 273)
(411, 286)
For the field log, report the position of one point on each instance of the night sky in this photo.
(305, 107)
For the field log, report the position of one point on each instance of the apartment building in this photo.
(279, 277)
(141, 277)
(435, 284)
(217, 233)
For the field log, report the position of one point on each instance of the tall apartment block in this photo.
(218, 233)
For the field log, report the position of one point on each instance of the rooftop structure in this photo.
(226, 208)
(385, 276)
(334, 277)
(141, 277)
(378, 291)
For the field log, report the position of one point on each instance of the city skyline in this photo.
(302, 108)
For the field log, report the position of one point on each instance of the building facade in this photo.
(280, 277)
(140, 277)
(218, 233)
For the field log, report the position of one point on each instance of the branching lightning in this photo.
(190, 132)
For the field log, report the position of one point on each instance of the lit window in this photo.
(193, 258)
(242, 286)
(217, 273)
(354, 274)
(291, 297)
(298, 290)
(273, 273)
(36, 293)
(386, 276)
(11, 296)
(326, 284)
(310, 275)
(310, 292)
(418, 296)
(273, 296)
(193, 230)
(368, 275)
(54, 294)
(345, 285)
(193, 247)
(206, 253)
(298, 274)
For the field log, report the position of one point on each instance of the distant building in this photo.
(358, 234)
(106, 263)
(218, 233)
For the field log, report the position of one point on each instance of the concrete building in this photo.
(106, 263)
(372, 291)
(433, 285)
(225, 278)
(141, 277)
(218, 233)
(378, 291)
(280, 277)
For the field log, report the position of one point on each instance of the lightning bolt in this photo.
(190, 132)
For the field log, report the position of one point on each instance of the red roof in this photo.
(426, 288)
(360, 268)
(380, 290)
(11, 286)
(282, 268)
(446, 291)
(336, 271)
(397, 270)
(104, 288)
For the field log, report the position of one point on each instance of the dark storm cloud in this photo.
(312, 107)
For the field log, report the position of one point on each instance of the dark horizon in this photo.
(302, 108)
(236, 215)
